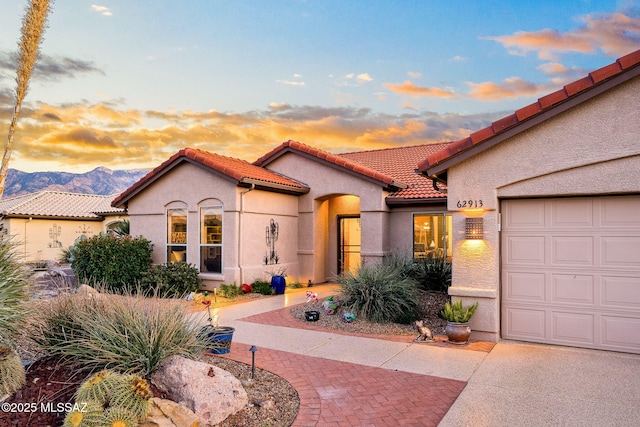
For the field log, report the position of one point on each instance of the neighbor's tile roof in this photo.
(400, 163)
(238, 170)
(59, 205)
(332, 159)
(547, 103)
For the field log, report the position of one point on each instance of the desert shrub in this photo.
(231, 290)
(170, 280)
(116, 262)
(13, 285)
(378, 293)
(128, 334)
(12, 373)
(263, 287)
(433, 274)
(294, 285)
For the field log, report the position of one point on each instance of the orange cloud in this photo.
(80, 137)
(613, 34)
(409, 88)
(512, 87)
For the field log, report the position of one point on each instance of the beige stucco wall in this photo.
(401, 226)
(320, 208)
(44, 239)
(192, 186)
(591, 149)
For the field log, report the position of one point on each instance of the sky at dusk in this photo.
(125, 84)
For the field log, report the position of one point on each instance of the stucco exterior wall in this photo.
(401, 226)
(258, 209)
(243, 235)
(44, 239)
(318, 224)
(594, 148)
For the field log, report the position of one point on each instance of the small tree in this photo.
(33, 25)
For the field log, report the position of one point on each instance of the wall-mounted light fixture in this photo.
(473, 228)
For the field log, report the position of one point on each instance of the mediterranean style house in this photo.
(314, 213)
(44, 223)
(538, 211)
(554, 190)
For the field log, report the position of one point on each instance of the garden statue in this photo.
(424, 333)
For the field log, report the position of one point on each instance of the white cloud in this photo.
(364, 77)
(290, 82)
(414, 74)
(103, 10)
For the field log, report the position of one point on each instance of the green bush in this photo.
(115, 262)
(230, 291)
(13, 288)
(432, 274)
(170, 280)
(263, 287)
(378, 293)
(128, 334)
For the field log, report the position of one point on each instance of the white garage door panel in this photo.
(571, 271)
(572, 250)
(573, 289)
(621, 292)
(577, 328)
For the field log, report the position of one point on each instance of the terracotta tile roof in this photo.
(240, 171)
(400, 163)
(332, 159)
(624, 68)
(59, 205)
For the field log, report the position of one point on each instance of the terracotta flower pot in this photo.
(458, 333)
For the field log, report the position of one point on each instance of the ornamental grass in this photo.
(128, 334)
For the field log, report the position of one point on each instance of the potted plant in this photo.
(278, 282)
(218, 337)
(457, 317)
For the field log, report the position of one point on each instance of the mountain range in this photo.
(98, 181)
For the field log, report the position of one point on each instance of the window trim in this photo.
(447, 219)
(201, 268)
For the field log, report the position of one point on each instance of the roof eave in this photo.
(436, 171)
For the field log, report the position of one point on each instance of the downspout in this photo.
(435, 186)
(240, 230)
(25, 237)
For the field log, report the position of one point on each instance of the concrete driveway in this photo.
(521, 384)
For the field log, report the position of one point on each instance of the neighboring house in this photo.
(557, 187)
(44, 223)
(315, 213)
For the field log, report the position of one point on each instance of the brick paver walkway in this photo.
(334, 393)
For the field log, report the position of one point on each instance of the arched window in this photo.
(211, 237)
(176, 234)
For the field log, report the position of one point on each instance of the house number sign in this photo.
(470, 203)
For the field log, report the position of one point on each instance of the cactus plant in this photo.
(85, 416)
(117, 416)
(12, 374)
(133, 394)
(97, 388)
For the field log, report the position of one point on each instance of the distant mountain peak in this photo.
(101, 180)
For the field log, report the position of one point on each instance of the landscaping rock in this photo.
(212, 393)
(167, 413)
(86, 289)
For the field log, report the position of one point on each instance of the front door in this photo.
(349, 244)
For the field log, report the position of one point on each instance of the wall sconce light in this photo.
(473, 228)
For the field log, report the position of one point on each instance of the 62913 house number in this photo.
(469, 203)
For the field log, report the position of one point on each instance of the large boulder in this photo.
(167, 413)
(212, 393)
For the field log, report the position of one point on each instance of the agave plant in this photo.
(456, 312)
(13, 284)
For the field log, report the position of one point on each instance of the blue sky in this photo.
(125, 84)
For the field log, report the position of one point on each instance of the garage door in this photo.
(571, 271)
